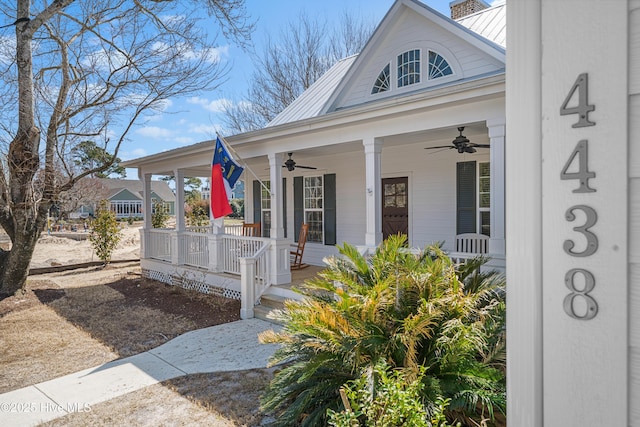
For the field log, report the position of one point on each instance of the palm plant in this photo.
(410, 311)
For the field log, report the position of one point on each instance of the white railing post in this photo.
(216, 253)
(144, 244)
(280, 262)
(247, 287)
(175, 248)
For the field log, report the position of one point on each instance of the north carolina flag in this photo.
(224, 174)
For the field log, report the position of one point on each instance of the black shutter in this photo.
(257, 202)
(284, 206)
(330, 209)
(298, 205)
(466, 197)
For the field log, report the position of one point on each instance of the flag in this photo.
(224, 174)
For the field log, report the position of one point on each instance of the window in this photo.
(313, 207)
(484, 198)
(395, 195)
(438, 66)
(383, 82)
(409, 68)
(265, 208)
(124, 209)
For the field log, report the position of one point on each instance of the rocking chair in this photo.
(296, 254)
(251, 230)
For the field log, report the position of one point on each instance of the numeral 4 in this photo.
(583, 109)
(583, 174)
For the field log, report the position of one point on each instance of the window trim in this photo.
(408, 63)
(480, 210)
(305, 210)
(389, 79)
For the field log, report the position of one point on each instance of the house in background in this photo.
(406, 137)
(126, 196)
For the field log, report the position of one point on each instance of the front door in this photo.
(395, 206)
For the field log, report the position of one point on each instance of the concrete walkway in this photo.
(228, 347)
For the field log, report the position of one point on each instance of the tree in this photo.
(85, 192)
(291, 63)
(191, 185)
(412, 312)
(105, 235)
(75, 71)
(87, 156)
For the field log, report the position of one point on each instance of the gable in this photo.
(413, 27)
(124, 194)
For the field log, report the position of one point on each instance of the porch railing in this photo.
(255, 279)
(194, 247)
(230, 229)
(236, 247)
(159, 244)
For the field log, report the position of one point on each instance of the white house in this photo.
(370, 129)
(570, 177)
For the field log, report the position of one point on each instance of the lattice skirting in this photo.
(191, 284)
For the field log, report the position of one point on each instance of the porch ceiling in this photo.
(200, 165)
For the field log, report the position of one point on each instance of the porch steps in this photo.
(273, 300)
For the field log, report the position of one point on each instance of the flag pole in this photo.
(229, 147)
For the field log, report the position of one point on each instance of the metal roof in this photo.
(312, 100)
(490, 23)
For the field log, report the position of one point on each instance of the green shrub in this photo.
(389, 398)
(407, 310)
(106, 233)
(160, 215)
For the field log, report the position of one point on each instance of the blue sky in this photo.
(197, 118)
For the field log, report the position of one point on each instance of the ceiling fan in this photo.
(290, 164)
(462, 144)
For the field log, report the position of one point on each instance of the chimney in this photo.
(462, 8)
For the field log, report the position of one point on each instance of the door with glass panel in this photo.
(395, 206)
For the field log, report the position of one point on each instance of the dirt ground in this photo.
(69, 321)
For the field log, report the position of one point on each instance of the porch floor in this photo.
(299, 276)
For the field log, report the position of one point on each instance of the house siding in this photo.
(432, 189)
(411, 32)
(125, 195)
(634, 213)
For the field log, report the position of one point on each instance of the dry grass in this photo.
(70, 321)
(227, 399)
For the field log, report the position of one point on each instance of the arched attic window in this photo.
(438, 66)
(409, 68)
(383, 82)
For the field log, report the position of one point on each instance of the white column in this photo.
(497, 246)
(275, 175)
(179, 211)
(177, 254)
(146, 211)
(567, 225)
(146, 197)
(280, 247)
(373, 188)
(247, 288)
(524, 216)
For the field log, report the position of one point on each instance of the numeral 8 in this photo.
(590, 283)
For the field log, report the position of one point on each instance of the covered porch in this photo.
(365, 179)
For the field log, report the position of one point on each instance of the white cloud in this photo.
(139, 152)
(184, 140)
(208, 130)
(215, 106)
(154, 132)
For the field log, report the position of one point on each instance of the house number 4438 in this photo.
(580, 156)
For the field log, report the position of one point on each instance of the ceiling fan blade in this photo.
(480, 145)
(439, 146)
(305, 167)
